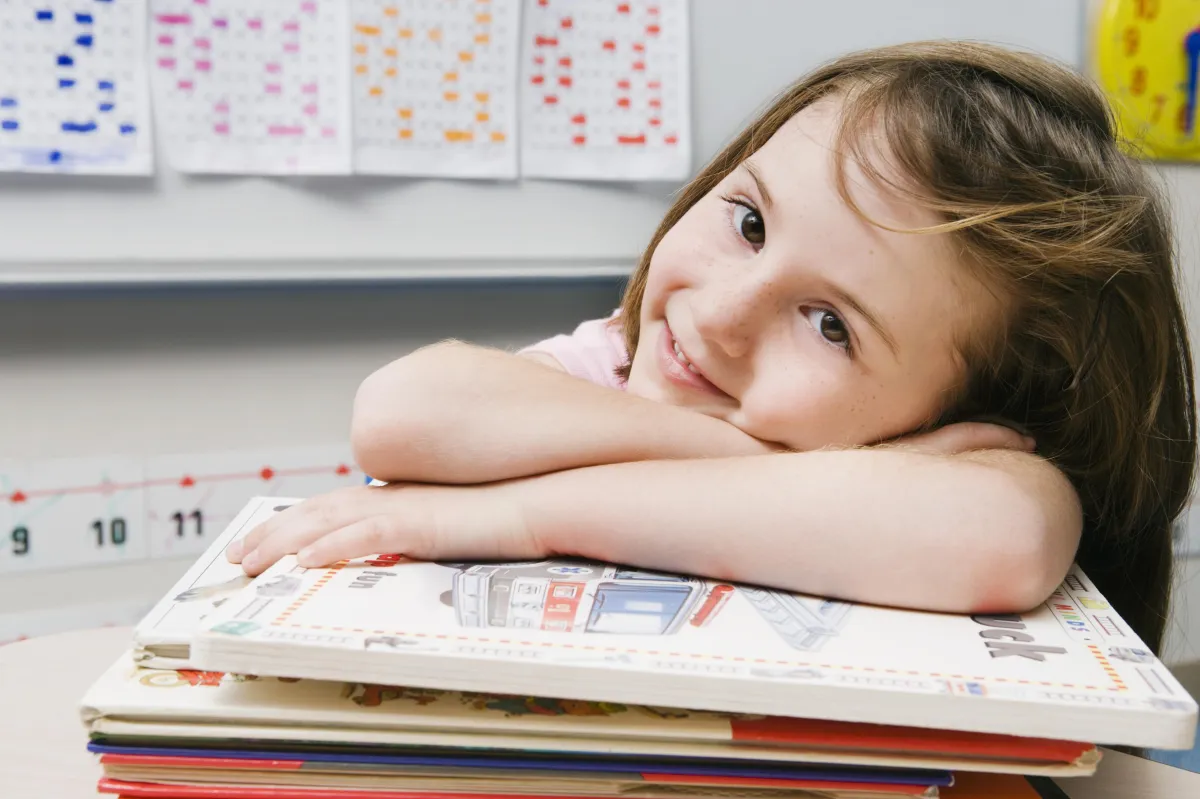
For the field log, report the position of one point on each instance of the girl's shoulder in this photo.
(593, 351)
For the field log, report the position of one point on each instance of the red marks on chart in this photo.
(623, 102)
(626, 140)
(579, 119)
(267, 473)
(566, 23)
(187, 481)
(610, 45)
(550, 99)
(546, 41)
(342, 470)
(623, 8)
(17, 497)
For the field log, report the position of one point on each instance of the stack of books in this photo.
(384, 678)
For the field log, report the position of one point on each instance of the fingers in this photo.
(967, 436)
(295, 528)
(369, 536)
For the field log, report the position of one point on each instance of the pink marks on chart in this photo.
(249, 75)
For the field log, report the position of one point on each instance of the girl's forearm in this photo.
(456, 413)
(897, 528)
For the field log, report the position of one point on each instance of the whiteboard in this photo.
(172, 228)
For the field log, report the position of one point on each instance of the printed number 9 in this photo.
(20, 541)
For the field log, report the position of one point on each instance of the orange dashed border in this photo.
(282, 621)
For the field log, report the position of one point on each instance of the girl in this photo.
(820, 364)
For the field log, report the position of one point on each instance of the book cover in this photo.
(137, 706)
(162, 638)
(1071, 669)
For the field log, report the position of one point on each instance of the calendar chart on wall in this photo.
(252, 86)
(434, 86)
(605, 90)
(73, 87)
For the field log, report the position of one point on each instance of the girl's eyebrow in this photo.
(846, 298)
(758, 181)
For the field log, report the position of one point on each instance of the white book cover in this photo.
(1070, 670)
(163, 635)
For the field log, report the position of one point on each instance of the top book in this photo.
(1071, 670)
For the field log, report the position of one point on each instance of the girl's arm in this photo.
(458, 413)
(990, 531)
(986, 531)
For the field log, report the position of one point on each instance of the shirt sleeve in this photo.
(593, 352)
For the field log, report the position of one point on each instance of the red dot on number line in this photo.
(267, 473)
(186, 481)
(343, 469)
(18, 496)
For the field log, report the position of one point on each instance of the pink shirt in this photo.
(592, 352)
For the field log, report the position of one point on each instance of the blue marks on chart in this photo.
(106, 107)
(106, 85)
(45, 16)
(84, 40)
(65, 60)
(84, 19)
(10, 124)
(8, 102)
(79, 127)
(66, 83)
(128, 129)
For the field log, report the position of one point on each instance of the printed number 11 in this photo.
(180, 518)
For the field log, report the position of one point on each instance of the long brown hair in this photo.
(1019, 157)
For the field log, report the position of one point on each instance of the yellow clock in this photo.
(1147, 58)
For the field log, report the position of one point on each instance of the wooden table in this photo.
(42, 739)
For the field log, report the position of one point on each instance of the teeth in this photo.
(685, 360)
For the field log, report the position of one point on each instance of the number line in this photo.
(265, 474)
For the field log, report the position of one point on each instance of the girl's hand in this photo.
(422, 522)
(954, 439)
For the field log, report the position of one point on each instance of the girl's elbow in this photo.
(1030, 549)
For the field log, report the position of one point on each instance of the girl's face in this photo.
(773, 306)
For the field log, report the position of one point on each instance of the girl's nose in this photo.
(728, 313)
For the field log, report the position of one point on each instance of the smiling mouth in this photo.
(679, 369)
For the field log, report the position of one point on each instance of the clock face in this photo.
(1146, 60)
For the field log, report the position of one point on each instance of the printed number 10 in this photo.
(116, 531)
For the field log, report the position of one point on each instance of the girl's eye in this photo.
(830, 326)
(748, 223)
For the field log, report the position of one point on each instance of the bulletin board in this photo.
(170, 227)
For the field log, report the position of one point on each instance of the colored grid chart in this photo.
(74, 95)
(252, 86)
(434, 85)
(605, 90)
(82, 512)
